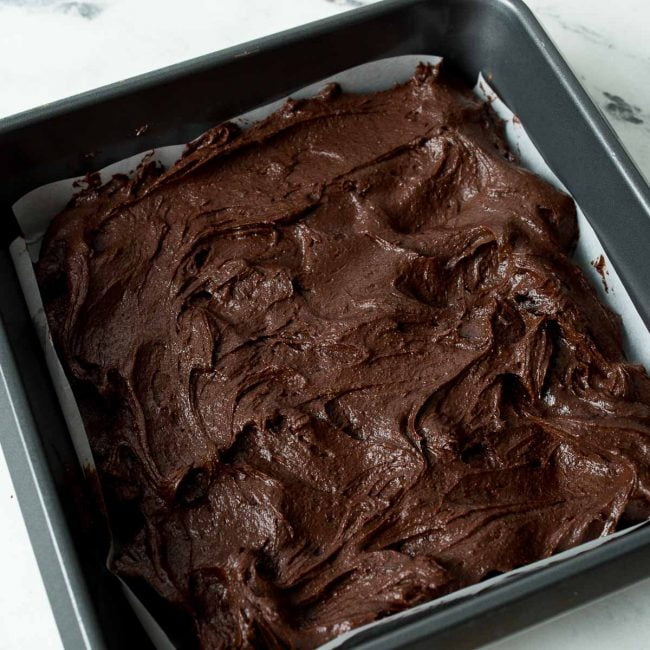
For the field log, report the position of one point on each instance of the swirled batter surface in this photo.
(341, 363)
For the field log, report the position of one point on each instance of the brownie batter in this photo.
(341, 363)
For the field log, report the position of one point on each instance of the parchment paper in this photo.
(35, 210)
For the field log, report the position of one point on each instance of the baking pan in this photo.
(89, 131)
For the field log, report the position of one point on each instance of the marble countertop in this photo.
(50, 49)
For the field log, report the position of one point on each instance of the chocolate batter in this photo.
(340, 364)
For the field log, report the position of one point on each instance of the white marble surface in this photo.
(50, 49)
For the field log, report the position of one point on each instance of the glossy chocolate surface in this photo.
(341, 363)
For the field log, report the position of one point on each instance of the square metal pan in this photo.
(89, 131)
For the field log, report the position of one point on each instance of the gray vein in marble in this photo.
(87, 10)
(619, 109)
(590, 35)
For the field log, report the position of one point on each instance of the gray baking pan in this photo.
(89, 131)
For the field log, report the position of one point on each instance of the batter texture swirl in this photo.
(341, 363)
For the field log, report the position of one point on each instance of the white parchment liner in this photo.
(35, 210)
